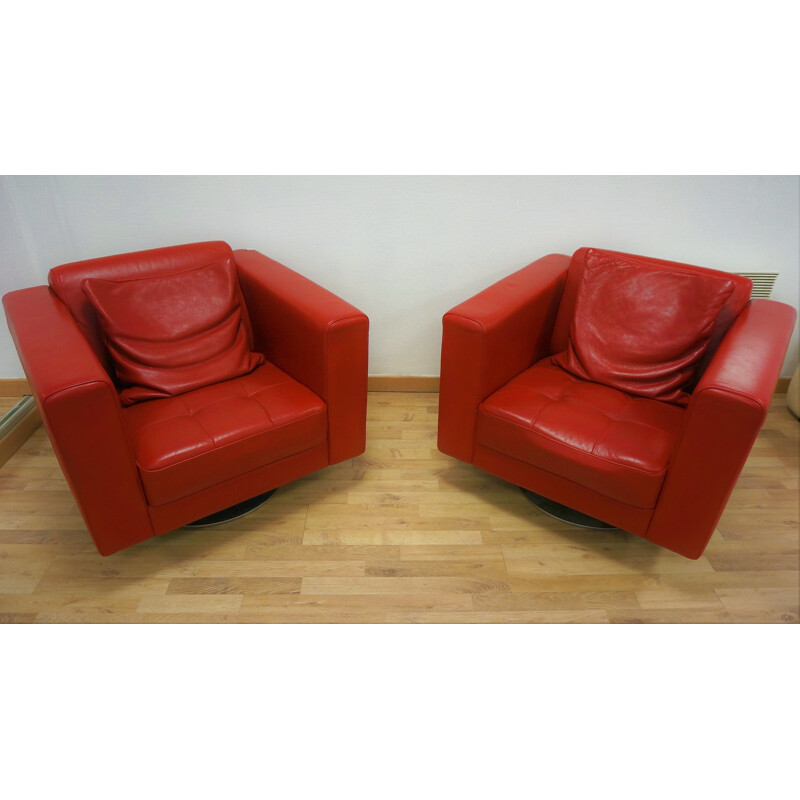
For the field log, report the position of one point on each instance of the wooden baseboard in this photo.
(14, 387)
(424, 383)
(19, 433)
(403, 383)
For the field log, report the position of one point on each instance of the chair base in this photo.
(232, 512)
(565, 513)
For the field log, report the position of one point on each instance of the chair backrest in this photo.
(65, 280)
(736, 302)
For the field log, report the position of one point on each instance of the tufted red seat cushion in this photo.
(590, 434)
(188, 443)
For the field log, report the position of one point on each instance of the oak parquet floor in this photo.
(7, 403)
(402, 534)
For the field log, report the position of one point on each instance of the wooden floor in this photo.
(7, 403)
(401, 534)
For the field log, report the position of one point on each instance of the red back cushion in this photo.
(168, 334)
(643, 326)
(66, 280)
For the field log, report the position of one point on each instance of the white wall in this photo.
(404, 249)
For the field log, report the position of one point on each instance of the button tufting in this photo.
(591, 434)
(192, 441)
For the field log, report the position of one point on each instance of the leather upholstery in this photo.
(736, 301)
(594, 435)
(81, 412)
(244, 486)
(726, 412)
(490, 339)
(141, 471)
(201, 438)
(169, 334)
(562, 490)
(314, 336)
(66, 279)
(652, 468)
(640, 327)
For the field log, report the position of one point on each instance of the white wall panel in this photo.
(404, 249)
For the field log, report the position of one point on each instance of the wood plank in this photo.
(6, 619)
(422, 601)
(390, 585)
(764, 604)
(191, 604)
(390, 537)
(19, 434)
(234, 585)
(494, 617)
(66, 616)
(563, 601)
(670, 616)
(14, 387)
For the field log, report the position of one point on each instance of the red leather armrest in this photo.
(315, 336)
(80, 409)
(749, 360)
(54, 353)
(489, 339)
(724, 416)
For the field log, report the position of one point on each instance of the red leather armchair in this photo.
(141, 470)
(661, 470)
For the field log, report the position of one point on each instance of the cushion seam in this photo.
(631, 399)
(202, 408)
(572, 447)
(235, 477)
(229, 444)
(568, 480)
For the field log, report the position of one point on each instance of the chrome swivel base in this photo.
(565, 513)
(232, 512)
